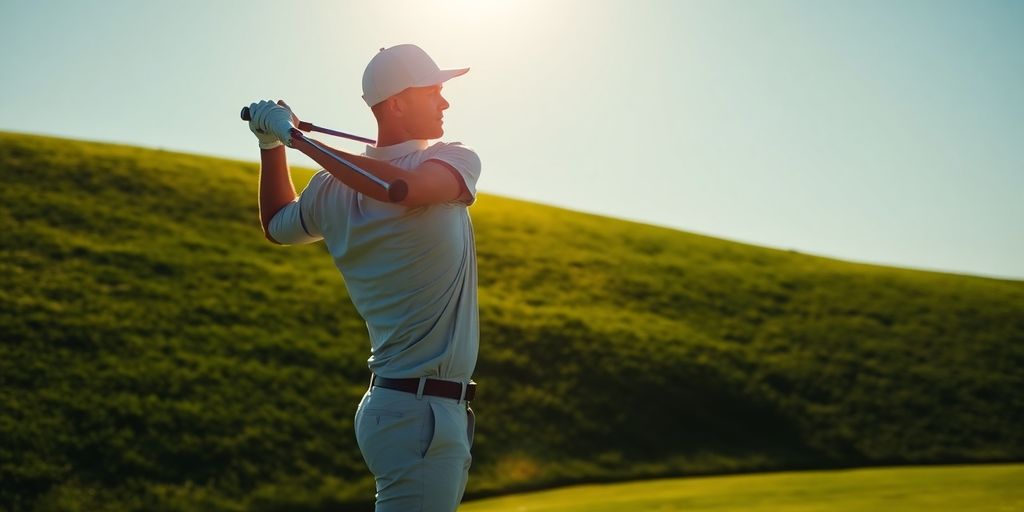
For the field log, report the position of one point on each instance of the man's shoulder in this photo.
(455, 153)
(324, 185)
(323, 178)
(441, 147)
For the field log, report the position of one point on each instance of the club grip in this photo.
(397, 191)
(245, 114)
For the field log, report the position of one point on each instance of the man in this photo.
(410, 269)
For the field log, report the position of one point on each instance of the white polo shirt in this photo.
(411, 272)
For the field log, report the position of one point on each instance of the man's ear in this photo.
(395, 106)
(390, 107)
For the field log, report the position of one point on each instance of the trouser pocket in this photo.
(390, 439)
(427, 431)
(452, 434)
(470, 425)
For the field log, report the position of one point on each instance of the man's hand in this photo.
(272, 123)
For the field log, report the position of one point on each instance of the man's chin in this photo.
(430, 134)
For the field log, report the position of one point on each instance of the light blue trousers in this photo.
(418, 449)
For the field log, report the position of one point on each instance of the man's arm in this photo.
(432, 182)
(276, 187)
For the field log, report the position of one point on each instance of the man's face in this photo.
(423, 110)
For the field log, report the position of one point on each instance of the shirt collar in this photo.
(396, 150)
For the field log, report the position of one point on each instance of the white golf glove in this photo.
(271, 123)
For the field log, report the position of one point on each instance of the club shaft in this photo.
(310, 127)
(330, 154)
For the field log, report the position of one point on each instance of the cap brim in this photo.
(443, 76)
(448, 74)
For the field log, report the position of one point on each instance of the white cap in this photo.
(395, 69)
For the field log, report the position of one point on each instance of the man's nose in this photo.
(444, 103)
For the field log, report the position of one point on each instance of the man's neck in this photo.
(387, 136)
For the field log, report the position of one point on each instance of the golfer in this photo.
(410, 269)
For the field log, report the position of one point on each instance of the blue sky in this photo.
(871, 131)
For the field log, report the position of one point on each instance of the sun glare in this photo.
(479, 8)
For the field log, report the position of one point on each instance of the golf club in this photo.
(310, 127)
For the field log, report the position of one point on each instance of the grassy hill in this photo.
(156, 353)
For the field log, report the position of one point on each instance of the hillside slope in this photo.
(157, 353)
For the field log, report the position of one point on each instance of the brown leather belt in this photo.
(432, 387)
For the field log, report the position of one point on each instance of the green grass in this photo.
(156, 353)
(996, 488)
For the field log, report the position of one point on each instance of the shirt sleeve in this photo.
(465, 162)
(297, 222)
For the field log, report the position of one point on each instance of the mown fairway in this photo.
(926, 489)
